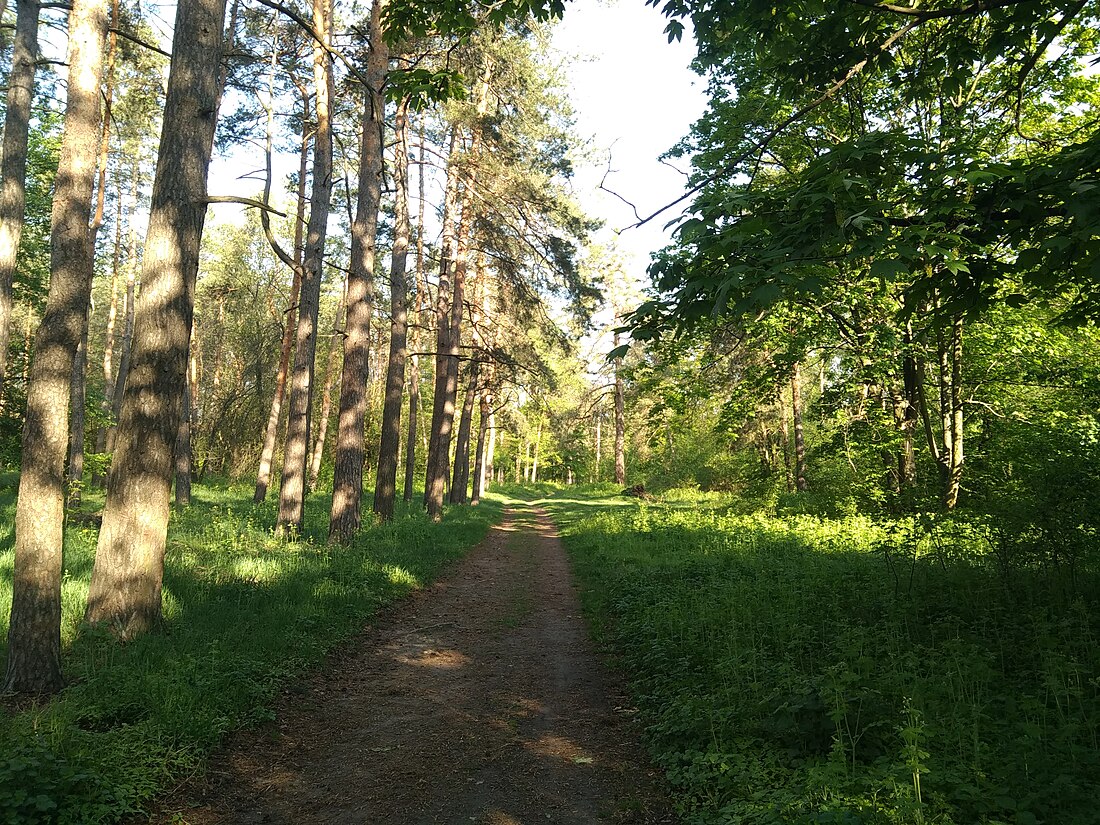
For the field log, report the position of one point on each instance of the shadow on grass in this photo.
(243, 612)
(805, 669)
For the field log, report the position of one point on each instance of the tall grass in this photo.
(815, 670)
(243, 611)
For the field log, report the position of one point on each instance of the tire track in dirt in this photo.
(479, 700)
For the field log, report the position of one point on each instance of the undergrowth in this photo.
(244, 612)
(808, 670)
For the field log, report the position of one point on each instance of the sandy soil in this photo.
(479, 700)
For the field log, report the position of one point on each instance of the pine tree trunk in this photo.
(537, 450)
(800, 483)
(13, 165)
(460, 479)
(620, 420)
(785, 438)
(347, 482)
(479, 453)
(414, 359)
(439, 438)
(296, 452)
(110, 334)
(271, 431)
(385, 490)
(78, 393)
(491, 454)
(34, 635)
(183, 446)
(326, 394)
(125, 591)
(127, 343)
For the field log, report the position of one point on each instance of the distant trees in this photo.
(182, 391)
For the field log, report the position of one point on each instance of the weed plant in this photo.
(803, 669)
(243, 613)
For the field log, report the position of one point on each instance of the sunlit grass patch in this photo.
(243, 612)
(804, 669)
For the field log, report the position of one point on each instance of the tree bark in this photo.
(271, 432)
(450, 328)
(126, 346)
(125, 591)
(326, 393)
(347, 482)
(537, 451)
(13, 166)
(800, 483)
(385, 490)
(785, 437)
(296, 453)
(620, 420)
(799, 444)
(443, 415)
(183, 446)
(954, 478)
(414, 359)
(460, 479)
(34, 635)
(78, 394)
(479, 454)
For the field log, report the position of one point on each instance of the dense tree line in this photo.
(437, 143)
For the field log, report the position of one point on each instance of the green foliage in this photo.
(244, 613)
(809, 670)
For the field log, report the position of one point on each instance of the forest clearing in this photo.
(369, 454)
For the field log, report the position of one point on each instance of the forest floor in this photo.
(478, 700)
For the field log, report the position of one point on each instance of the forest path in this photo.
(477, 700)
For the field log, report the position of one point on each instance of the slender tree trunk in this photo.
(460, 479)
(34, 635)
(620, 420)
(78, 393)
(126, 346)
(271, 432)
(347, 482)
(125, 591)
(479, 453)
(331, 366)
(785, 437)
(183, 446)
(414, 360)
(954, 480)
(599, 446)
(490, 458)
(800, 483)
(910, 415)
(110, 333)
(296, 453)
(385, 490)
(538, 451)
(13, 166)
(443, 414)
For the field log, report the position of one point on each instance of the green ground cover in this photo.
(802, 669)
(244, 613)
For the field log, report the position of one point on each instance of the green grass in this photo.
(811, 670)
(244, 612)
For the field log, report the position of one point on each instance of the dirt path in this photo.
(479, 700)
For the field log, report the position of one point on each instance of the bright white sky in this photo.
(634, 97)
